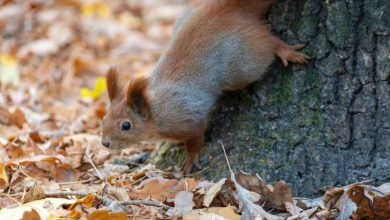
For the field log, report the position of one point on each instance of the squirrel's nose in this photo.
(106, 144)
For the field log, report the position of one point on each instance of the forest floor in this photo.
(53, 59)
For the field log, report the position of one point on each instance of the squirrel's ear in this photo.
(137, 97)
(113, 89)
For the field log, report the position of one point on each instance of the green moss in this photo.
(266, 162)
(264, 143)
(273, 135)
(309, 52)
(287, 164)
(309, 117)
(284, 93)
(168, 150)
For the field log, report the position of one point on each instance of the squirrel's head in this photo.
(128, 118)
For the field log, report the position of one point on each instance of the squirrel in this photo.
(216, 46)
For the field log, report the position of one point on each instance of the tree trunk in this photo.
(322, 124)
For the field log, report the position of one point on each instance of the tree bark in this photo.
(317, 125)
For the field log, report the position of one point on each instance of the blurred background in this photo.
(54, 55)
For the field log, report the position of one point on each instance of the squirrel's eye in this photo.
(126, 125)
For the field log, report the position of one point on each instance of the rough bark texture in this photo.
(323, 124)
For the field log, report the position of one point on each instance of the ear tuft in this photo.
(113, 89)
(137, 97)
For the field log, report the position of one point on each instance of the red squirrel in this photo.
(216, 46)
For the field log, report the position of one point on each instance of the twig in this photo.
(97, 171)
(75, 182)
(227, 160)
(110, 201)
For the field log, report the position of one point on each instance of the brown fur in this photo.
(137, 97)
(113, 89)
(217, 46)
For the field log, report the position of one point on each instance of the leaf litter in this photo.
(53, 57)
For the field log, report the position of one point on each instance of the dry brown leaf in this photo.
(212, 192)
(118, 193)
(369, 205)
(35, 193)
(162, 189)
(31, 215)
(75, 154)
(292, 209)
(35, 136)
(36, 149)
(214, 213)
(4, 180)
(332, 196)
(64, 173)
(17, 118)
(255, 184)
(102, 214)
(155, 189)
(88, 201)
(324, 214)
(246, 199)
(280, 195)
(38, 158)
(14, 151)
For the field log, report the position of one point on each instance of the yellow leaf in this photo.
(88, 201)
(103, 10)
(9, 72)
(88, 9)
(3, 177)
(100, 9)
(97, 91)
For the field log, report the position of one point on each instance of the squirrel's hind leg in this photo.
(193, 147)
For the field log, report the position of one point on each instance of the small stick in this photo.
(75, 182)
(97, 171)
(108, 201)
(227, 160)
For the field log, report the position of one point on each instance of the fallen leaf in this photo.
(17, 118)
(35, 193)
(4, 180)
(65, 173)
(38, 205)
(87, 201)
(9, 70)
(155, 189)
(332, 196)
(102, 214)
(31, 215)
(280, 195)
(214, 213)
(212, 192)
(369, 207)
(99, 9)
(98, 89)
(246, 199)
(162, 189)
(183, 204)
(292, 209)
